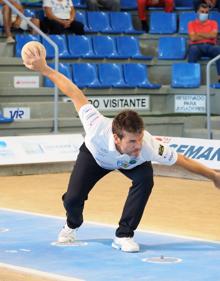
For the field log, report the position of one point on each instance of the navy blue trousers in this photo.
(86, 174)
(196, 51)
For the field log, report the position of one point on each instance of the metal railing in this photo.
(56, 59)
(208, 105)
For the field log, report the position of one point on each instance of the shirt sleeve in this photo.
(163, 153)
(91, 118)
(47, 3)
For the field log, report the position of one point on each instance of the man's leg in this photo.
(36, 22)
(142, 13)
(113, 5)
(169, 6)
(6, 11)
(77, 28)
(142, 184)
(92, 5)
(194, 53)
(84, 176)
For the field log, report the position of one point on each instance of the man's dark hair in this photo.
(203, 5)
(129, 121)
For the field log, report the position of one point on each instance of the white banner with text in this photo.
(39, 149)
(65, 147)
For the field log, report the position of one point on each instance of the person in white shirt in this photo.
(110, 5)
(122, 144)
(10, 20)
(60, 18)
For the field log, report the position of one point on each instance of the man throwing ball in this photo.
(120, 144)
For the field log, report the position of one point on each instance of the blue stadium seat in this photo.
(5, 119)
(136, 75)
(22, 39)
(85, 75)
(80, 46)
(60, 40)
(163, 23)
(171, 48)
(184, 5)
(215, 85)
(129, 4)
(104, 47)
(214, 15)
(99, 22)
(64, 68)
(79, 4)
(29, 13)
(82, 17)
(184, 19)
(111, 75)
(128, 47)
(121, 23)
(186, 75)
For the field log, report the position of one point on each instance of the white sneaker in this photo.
(125, 244)
(10, 40)
(67, 235)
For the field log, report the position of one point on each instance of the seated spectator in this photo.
(10, 20)
(212, 4)
(60, 18)
(145, 4)
(203, 37)
(96, 5)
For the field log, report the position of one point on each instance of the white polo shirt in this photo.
(60, 9)
(100, 142)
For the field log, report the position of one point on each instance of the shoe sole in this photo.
(118, 247)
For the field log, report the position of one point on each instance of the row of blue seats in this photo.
(107, 75)
(125, 4)
(121, 22)
(108, 22)
(94, 47)
(175, 23)
(101, 47)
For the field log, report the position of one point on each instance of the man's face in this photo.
(203, 10)
(130, 143)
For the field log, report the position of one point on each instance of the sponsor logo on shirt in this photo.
(125, 164)
(161, 150)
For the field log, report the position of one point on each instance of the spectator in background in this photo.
(203, 37)
(60, 18)
(10, 20)
(96, 5)
(211, 3)
(145, 4)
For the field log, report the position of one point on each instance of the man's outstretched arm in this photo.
(198, 168)
(34, 60)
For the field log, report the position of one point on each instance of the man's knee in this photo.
(146, 181)
(6, 11)
(75, 200)
(169, 3)
(193, 53)
(216, 50)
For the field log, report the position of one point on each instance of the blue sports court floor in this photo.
(26, 242)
